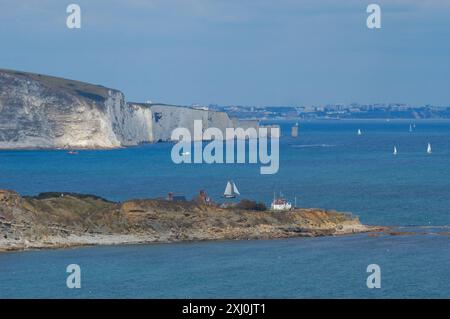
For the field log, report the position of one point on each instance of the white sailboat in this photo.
(231, 190)
(410, 128)
(429, 148)
(395, 150)
(359, 132)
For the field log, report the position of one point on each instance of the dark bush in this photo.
(251, 205)
(261, 206)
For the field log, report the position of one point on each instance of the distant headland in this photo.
(41, 111)
(56, 220)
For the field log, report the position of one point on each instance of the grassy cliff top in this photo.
(90, 91)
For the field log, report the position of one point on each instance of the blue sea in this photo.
(328, 166)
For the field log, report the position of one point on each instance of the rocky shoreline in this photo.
(60, 220)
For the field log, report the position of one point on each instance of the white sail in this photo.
(429, 148)
(235, 190)
(228, 189)
(359, 132)
(395, 150)
(410, 127)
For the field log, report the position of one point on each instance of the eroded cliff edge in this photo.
(53, 220)
(40, 111)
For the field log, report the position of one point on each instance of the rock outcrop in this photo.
(40, 111)
(53, 220)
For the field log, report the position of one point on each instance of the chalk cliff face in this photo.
(39, 111)
(166, 118)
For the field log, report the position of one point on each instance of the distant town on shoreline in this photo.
(337, 111)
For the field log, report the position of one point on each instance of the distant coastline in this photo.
(45, 112)
(58, 220)
(355, 111)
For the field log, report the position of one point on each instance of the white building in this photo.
(281, 204)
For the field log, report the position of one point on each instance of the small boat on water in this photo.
(429, 148)
(359, 132)
(395, 150)
(72, 152)
(231, 190)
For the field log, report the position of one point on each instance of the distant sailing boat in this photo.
(429, 148)
(359, 132)
(231, 190)
(395, 150)
(410, 128)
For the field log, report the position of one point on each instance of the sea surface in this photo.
(328, 166)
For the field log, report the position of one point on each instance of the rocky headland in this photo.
(56, 220)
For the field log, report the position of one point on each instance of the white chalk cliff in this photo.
(39, 111)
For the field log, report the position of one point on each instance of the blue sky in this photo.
(246, 52)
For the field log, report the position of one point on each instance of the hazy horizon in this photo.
(261, 53)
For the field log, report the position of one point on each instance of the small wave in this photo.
(418, 230)
(312, 145)
(424, 227)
